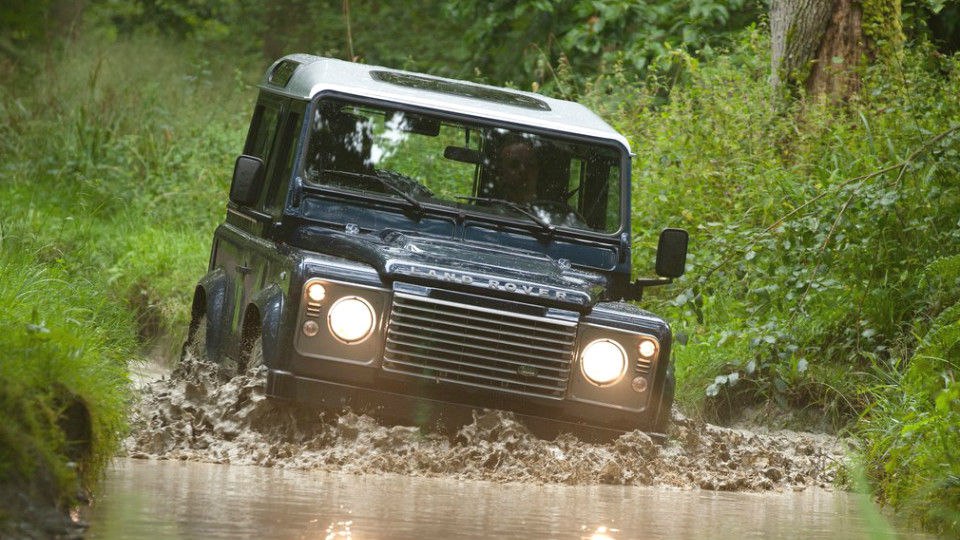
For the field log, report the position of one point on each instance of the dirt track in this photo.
(196, 414)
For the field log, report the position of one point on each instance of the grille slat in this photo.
(464, 344)
(644, 365)
(498, 333)
(465, 338)
(474, 375)
(482, 362)
(559, 332)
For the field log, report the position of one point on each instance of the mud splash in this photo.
(198, 413)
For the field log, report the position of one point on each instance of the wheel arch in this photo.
(263, 316)
(210, 299)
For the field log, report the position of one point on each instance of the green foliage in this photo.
(911, 435)
(521, 41)
(130, 148)
(824, 252)
(804, 260)
(409, 35)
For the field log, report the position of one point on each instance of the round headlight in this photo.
(351, 319)
(603, 362)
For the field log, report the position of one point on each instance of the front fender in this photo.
(217, 306)
(270, 303)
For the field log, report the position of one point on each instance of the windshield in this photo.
(425, 160)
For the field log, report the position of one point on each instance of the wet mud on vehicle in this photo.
(420, 247)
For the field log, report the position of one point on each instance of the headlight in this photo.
(603, 362)
(351, 319)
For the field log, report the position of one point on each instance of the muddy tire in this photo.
(662, 420)
(254, 358)
(195, 346)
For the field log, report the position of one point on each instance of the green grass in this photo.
(62, 346)
(115, 159)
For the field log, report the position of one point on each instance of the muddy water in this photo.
(199, 413)
(210, 456)
(173, 499)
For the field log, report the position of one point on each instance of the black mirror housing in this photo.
(247, 180)
(672, 253)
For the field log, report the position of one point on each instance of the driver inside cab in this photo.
(518, 170)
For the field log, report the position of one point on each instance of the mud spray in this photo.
(197, 413)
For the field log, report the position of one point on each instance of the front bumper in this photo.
(445, 412)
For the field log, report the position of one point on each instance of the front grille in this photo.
(465, 344)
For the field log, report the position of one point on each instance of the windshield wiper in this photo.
(386, 183)
(515, 206)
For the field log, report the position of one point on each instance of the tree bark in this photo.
(817, 44)
(797, 28)
(834, 71)
(821, 44)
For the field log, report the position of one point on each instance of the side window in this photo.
(284, 153)
(263, 128)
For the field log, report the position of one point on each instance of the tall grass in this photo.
(62, 366)
(114, 159)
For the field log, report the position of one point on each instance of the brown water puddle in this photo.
(174, 499)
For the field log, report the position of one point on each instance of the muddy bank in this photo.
(197, 413)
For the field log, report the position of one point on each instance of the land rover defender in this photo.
(423, 247)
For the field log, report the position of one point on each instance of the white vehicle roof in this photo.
(313, 75)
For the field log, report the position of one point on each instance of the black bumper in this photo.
(431, 412)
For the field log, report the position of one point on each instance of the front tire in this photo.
(254, 357)
(195, 346)
(662, 419)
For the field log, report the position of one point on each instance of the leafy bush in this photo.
(812, 223)
(823, 268)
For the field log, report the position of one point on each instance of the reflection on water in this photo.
(163, 499)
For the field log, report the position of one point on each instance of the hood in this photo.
(473, 265)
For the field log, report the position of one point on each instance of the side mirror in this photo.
(672, 253)
(247, 180)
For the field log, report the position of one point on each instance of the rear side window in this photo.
(284, 155)
(263, 129)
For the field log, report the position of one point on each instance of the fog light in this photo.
(648, 348)
(310, 328)
(316, 292)
(603, 362)
(639, 385)
(351, 319)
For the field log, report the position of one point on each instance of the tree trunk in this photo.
(797, 28)
(820, 44)
(834, 71)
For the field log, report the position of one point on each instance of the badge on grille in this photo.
(527, 371)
